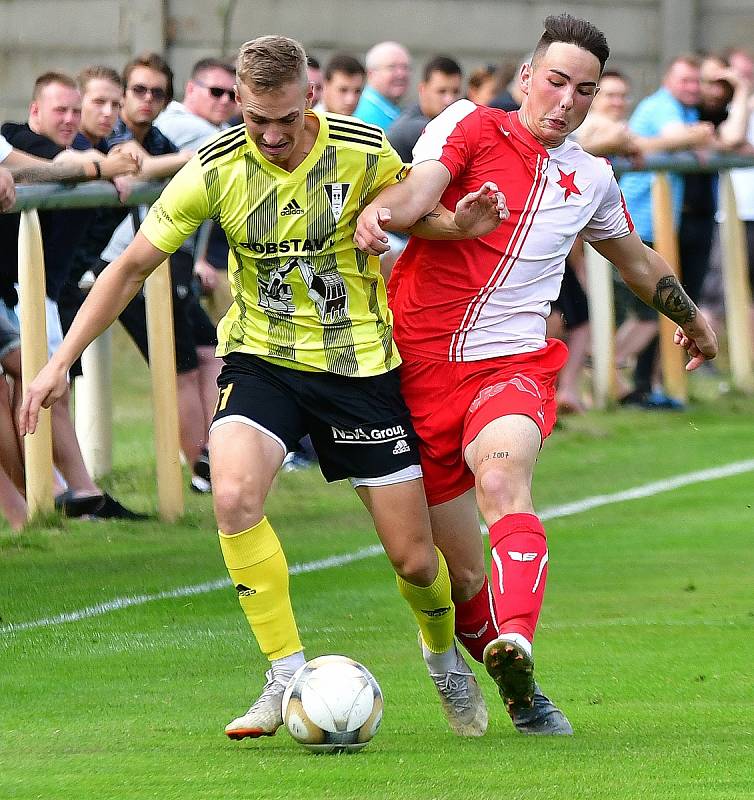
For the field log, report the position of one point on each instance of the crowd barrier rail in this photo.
(93, 396)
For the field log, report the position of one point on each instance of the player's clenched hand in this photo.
(49, 386)
(370, 235)
(480, 212)
(698, 340)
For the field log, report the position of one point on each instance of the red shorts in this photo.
(451, 402)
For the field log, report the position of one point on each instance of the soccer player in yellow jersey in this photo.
(307, 348)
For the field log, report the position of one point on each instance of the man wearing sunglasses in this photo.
(209, 102)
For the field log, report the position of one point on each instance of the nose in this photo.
(566, 98)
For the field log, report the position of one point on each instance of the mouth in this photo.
(273, 150)
(555, 123)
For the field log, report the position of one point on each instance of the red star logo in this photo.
(568, 183)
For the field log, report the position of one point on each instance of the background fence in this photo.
(92, 392)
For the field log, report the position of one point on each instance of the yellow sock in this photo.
(433, 608)
(257, 566)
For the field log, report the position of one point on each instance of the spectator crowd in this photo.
(127, 126)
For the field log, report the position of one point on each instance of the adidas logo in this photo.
(244, 591)
(401, 447)
(292, 209)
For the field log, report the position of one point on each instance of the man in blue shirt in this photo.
(388, 71)
(670, 113)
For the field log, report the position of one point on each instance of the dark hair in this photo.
(204, 64)
(442, 64)
(312, 62)
(345, 63)
(571, 30)
(615, 73)
(151, 61)
(48, 78)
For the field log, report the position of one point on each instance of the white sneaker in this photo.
(462, 701)
(264, 717)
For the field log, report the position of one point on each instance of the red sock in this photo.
(519, 572)
(475, 622)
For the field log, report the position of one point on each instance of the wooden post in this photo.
(31, 280)
(666, 244)
(736, 288)
(93, 406)
(599, 292)
(159, 303)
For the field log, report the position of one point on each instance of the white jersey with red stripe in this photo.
(482, 298)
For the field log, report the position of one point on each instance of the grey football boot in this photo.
(461, 698)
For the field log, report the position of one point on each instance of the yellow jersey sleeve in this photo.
(390, 169)
(179, 210)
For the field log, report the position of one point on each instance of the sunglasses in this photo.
(217, 91)
(139, 90)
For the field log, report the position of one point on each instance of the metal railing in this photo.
(93, 418)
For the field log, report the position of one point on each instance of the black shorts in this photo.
(192, 327)
(572, 301)
(360, 427)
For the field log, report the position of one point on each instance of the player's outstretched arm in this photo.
(649, 277)
(111, 293)
(401, 205)
(477, 214)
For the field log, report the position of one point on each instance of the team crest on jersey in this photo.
(336, 194)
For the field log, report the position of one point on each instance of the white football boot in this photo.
(264, 717)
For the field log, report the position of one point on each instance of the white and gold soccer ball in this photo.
(333, 704)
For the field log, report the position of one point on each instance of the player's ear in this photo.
(525, 78)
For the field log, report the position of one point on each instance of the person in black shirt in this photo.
(54, 117)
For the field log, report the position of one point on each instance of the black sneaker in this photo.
(542, 718)
(71, 506)
(110, 508)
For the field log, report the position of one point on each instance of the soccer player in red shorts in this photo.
(478, 374)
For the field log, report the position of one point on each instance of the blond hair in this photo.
(268, 63)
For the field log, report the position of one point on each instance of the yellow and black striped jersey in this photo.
(305, 297)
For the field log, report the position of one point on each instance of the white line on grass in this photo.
(554, 512)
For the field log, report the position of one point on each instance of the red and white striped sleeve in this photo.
(446, 137)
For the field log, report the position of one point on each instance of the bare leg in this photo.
(193, 426)
(456, 531)
(402, 523)
(10, 454)
(66, 451)
(569, 378)
(209, 369)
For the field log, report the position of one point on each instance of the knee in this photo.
(237, 505)
(466, 581)
(494, 485)
(501, 492)
(417, 567)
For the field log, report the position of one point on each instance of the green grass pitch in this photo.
(646, 638)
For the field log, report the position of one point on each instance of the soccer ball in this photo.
(333, 704)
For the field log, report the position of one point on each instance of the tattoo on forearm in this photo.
(49, 173)
(432, 215)
(496, 454)
(671, 300)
